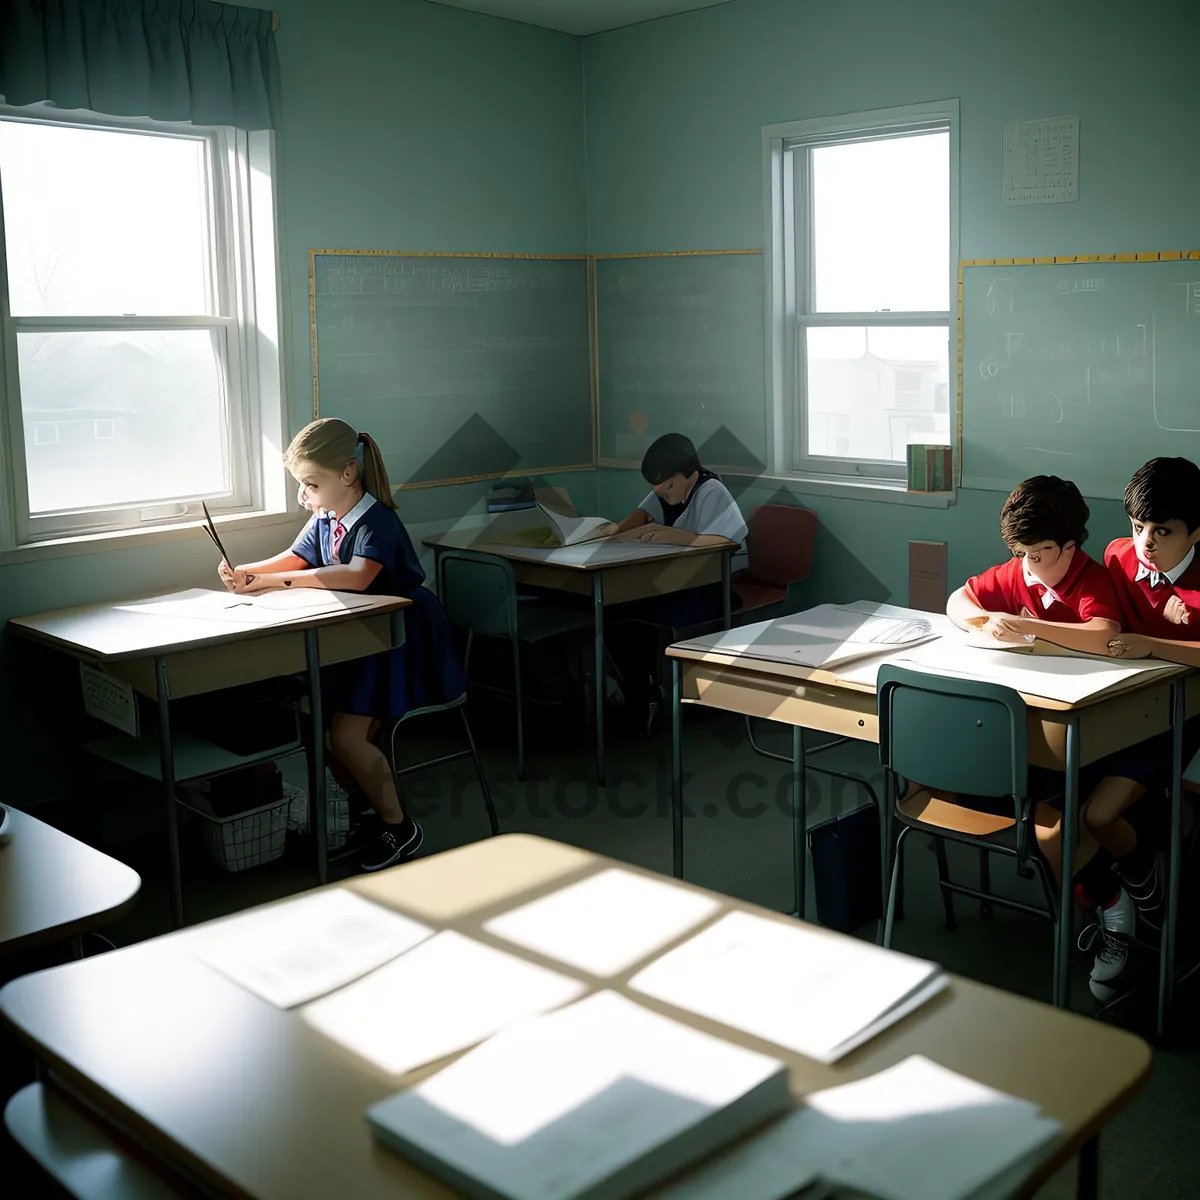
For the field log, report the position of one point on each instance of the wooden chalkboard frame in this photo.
(591, 295)
(624, 463)
(1043, 260)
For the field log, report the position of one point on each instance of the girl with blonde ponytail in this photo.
(355, 542)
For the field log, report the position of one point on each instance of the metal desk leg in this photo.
(1070, 840)
(316, 754)
(1087, 1184)
(799, 819)
(598, 667)
(1170, 929)
(677, 768)
(726, 587)
(885, 848)
(166, 765)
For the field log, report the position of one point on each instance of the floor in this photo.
(738, 842)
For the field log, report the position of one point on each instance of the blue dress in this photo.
(426, 669)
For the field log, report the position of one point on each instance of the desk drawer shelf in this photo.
(195, 758)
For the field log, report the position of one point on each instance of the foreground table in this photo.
(253, 1102)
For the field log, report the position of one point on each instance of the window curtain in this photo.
(171, 60)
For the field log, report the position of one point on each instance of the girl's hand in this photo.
(243, 582)
(228, 575)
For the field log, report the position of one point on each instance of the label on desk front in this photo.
(109, 699)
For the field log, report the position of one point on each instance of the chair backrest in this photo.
(780, 543)
(956, 735)
(478, 592)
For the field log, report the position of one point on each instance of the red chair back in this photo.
(781, 543)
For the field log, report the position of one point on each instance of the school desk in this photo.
(610, 573)
(252, 1101)
(1062, 737)
(54, 887)
(168, 657)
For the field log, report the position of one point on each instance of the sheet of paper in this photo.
(789, 983)
(606, 923)
(554, 1106)
(441, 997)
(913, 1132)
(294, 952)
(826, 636)
(265, 609)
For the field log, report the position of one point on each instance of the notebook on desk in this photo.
(597, 1101)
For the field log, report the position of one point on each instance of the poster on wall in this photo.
(1041, 161)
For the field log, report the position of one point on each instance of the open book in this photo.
(547, 526)
(597, 1101)
(828, 636)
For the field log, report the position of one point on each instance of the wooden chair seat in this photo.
(946, 813)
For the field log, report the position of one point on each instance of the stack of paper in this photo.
(813, 992)
(913, 1132)
(293, 952)
(441, 997)
(827, 636)
(599, 1101)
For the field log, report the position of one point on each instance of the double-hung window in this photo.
(138, 323)
(862, 252)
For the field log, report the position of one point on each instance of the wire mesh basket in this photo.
(245, 839)
(337, 812)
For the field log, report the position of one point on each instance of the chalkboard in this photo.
(460, 367)
(1079, 369)
(680, 349)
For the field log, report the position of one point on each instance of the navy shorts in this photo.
(1149, 762)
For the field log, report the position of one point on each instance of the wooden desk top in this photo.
(53, 886)
(590, 556)
(742, 664)
(116, 630)
(258, 1103)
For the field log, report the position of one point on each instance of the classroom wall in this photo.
(675, 110)
(406, 125)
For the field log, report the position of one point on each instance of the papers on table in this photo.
(445, 995)
(606, 923)
(791, 984)
(913, 1132)
(600, 1099)
(1066, 678)
(269, 608)
(827, 636)
(294, 952)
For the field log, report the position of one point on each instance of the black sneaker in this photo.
(392, 844)
(1147, 892)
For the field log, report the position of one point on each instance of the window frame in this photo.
(790, 282)
(243, 279)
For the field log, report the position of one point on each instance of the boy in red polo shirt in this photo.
(1156, 576)
(1049, 588)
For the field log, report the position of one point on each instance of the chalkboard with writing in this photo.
(460, 367)
(1078, 369)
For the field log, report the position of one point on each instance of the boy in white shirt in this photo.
(686, 506)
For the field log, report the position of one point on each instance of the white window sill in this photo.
(127, 539)
(861, 489)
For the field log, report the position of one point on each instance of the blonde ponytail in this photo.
(332, 444)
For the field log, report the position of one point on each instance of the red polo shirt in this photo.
(1084, 593)
(1143, 606)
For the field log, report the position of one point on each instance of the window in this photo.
(138, 332)
(862, 250)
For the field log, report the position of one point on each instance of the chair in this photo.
(479, 593)
(780, 548)
(961, 736)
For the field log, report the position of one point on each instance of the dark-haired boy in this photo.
(1156, 576)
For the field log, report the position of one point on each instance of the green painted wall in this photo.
(406, 126)
(675, 110)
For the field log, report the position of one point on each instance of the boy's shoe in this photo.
(1146, 892)
(392, 844)
(1110, 934)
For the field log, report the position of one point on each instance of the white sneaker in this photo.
(1111, 934)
